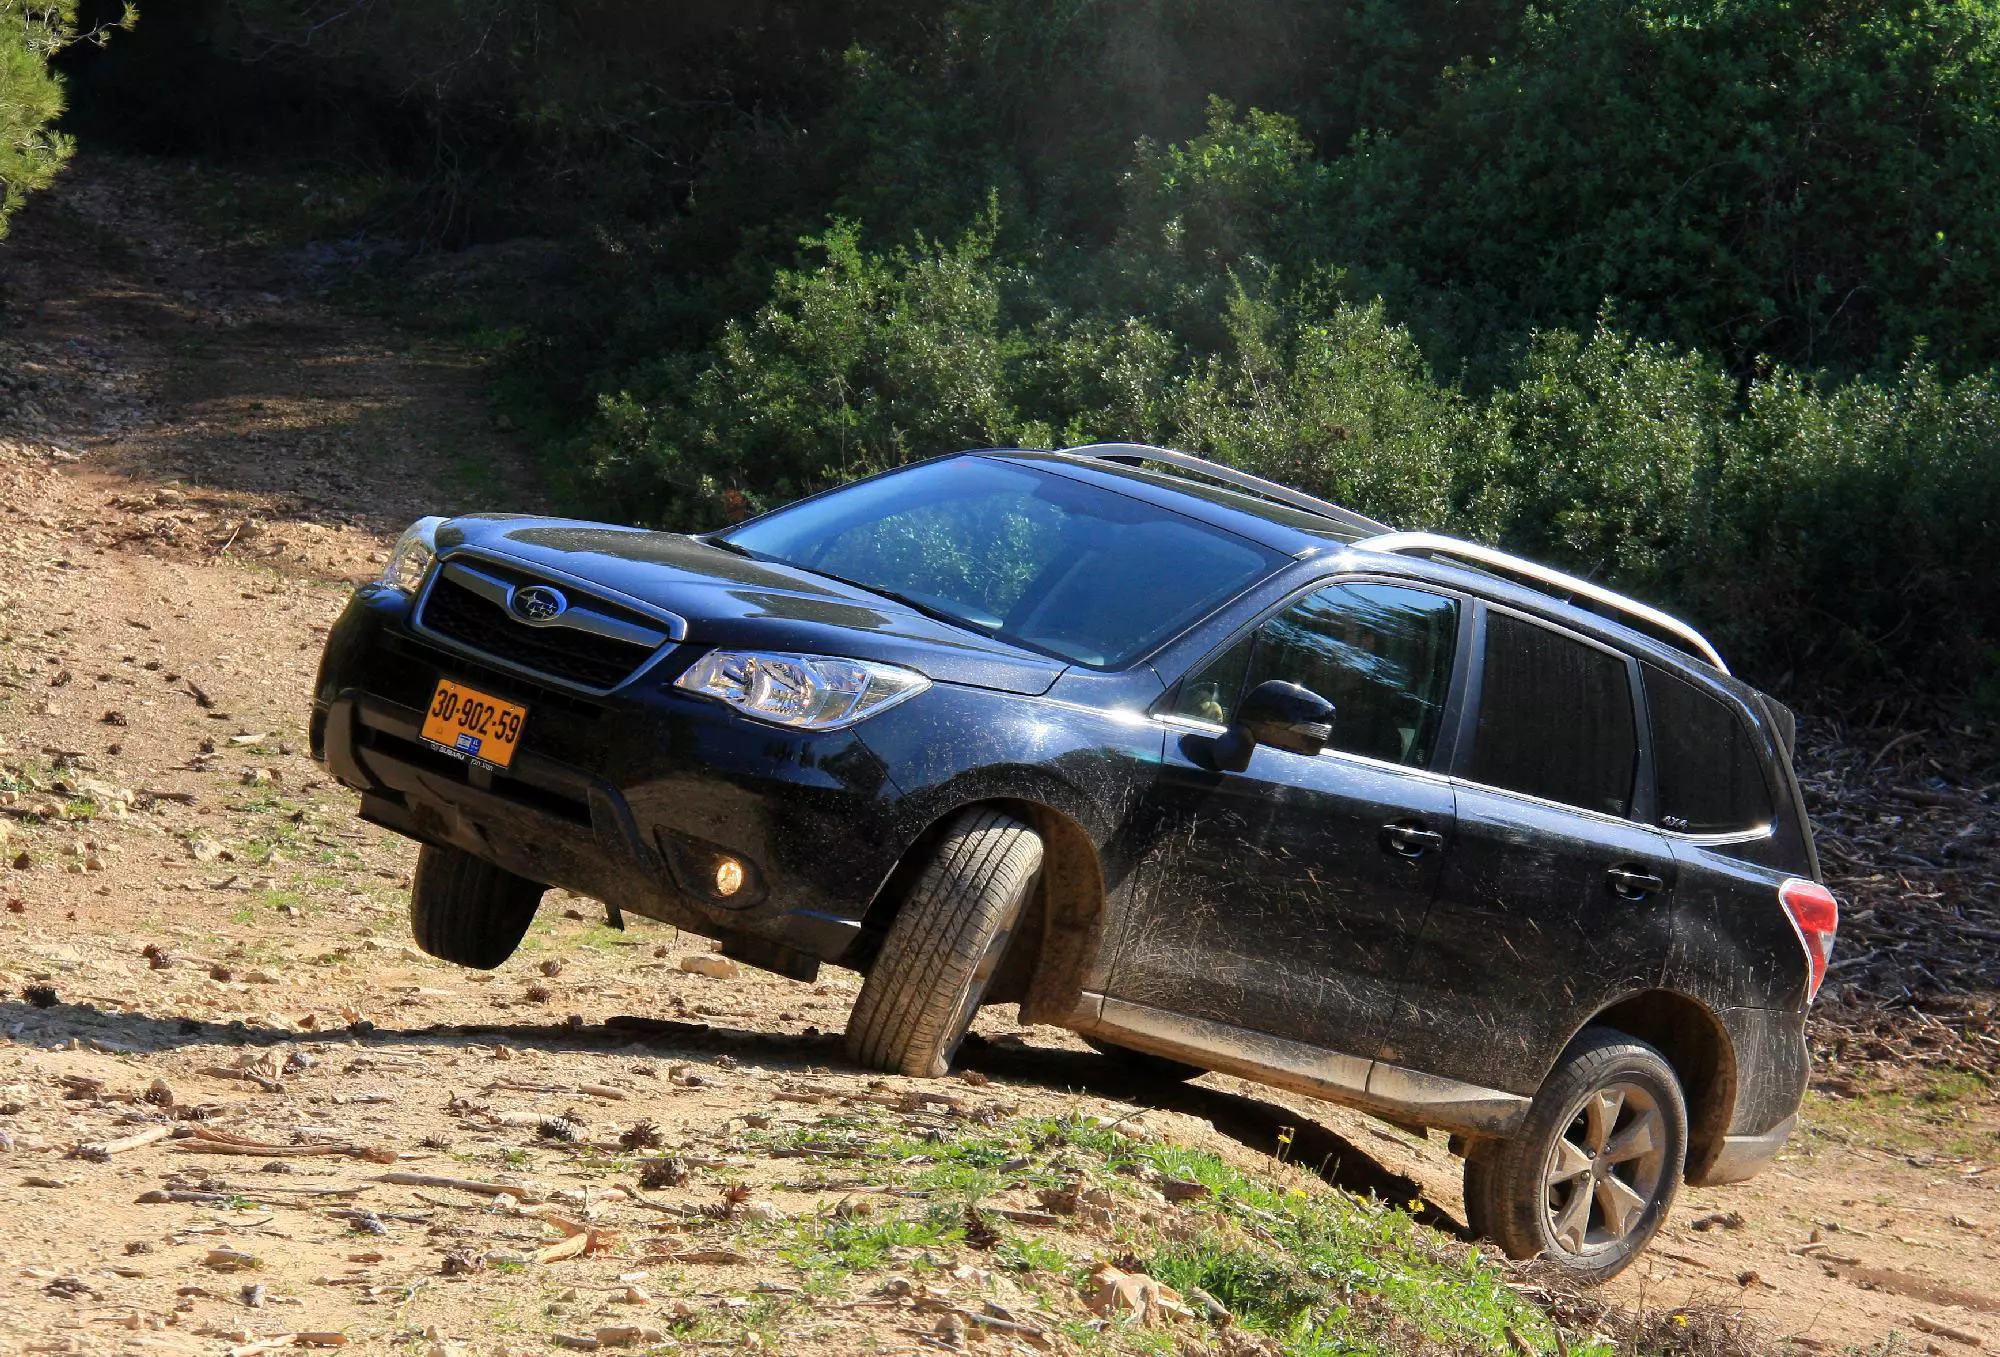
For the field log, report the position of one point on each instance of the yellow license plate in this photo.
(473, 724)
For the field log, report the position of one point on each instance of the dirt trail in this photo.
(196, 462)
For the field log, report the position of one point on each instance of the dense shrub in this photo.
(1835, 532)
(1811, 182)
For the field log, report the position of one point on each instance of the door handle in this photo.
(1410, 840)
(1633, 884)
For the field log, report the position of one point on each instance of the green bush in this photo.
(861, 362)
(1755, 178)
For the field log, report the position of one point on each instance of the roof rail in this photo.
(1132, 454)
(1678, 633)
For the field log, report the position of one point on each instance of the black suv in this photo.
(1215, 774)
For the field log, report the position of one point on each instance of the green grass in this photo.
(1318, 1270)
(830, 1245)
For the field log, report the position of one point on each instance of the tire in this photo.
(464, 909)
(1554, 1192)
(945, 945)
(1145, 1064)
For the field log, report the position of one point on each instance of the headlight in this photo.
(809, 692)
(412, 555)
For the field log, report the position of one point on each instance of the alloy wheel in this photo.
(1606, 1169)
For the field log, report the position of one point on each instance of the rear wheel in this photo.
(1144, 1063)
(945, 945)
(466, 910)
(1595, 1168)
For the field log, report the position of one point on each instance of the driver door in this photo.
(1285, 898)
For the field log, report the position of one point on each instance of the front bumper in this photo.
(626, 797)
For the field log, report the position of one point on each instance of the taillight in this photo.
(1816, 915)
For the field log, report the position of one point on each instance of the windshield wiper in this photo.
(724, 544)
(930, 610)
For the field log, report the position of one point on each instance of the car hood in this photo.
(731, 600)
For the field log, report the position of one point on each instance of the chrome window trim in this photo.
(1764, 831)
(1701, 840)
(675, 625)
(1198, 727)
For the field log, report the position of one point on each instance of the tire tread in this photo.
(469, 911)
(1503, 1187)
(984, 864)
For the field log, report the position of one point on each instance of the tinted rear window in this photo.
(1709, 776)
(1555, 718)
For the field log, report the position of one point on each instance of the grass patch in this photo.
(1316, 1270)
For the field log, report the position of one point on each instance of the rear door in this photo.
(1554, 897)
(1284, 898)
(1734, 945)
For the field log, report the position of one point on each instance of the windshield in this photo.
(1018, 553)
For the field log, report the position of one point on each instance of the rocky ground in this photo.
(238, 1111)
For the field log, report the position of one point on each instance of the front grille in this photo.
(454, 611)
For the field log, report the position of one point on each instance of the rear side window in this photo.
(1710, 778)
(1555, 718)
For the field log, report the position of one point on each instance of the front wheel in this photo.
(467, 910)
(945, 945)
(1593, 1172)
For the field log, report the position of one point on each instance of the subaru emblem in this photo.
(538, 603)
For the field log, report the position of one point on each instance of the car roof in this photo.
(1281, 527)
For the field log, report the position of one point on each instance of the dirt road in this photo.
(196, 461)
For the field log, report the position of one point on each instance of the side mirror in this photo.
(1275, 713)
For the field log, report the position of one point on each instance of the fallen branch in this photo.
(263, 1081)
(1944, 1330)
(101, 1150)
(518, 1191)
(201, 1140)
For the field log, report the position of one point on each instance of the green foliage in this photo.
(856, 364)
(1688, 295)
(31, 97)
(1811, 182)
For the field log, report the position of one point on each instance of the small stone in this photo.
(711, 965)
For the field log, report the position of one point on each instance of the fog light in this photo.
(728, 877)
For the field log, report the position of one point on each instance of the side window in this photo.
(1210, 693)
(1555, 718)
(1381, 654)
(1709, 777)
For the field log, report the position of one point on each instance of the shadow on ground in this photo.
(1254, 1122)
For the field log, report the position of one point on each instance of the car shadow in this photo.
(1253, 1122)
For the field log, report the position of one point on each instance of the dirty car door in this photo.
(1284, 898)
(1553, 901)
